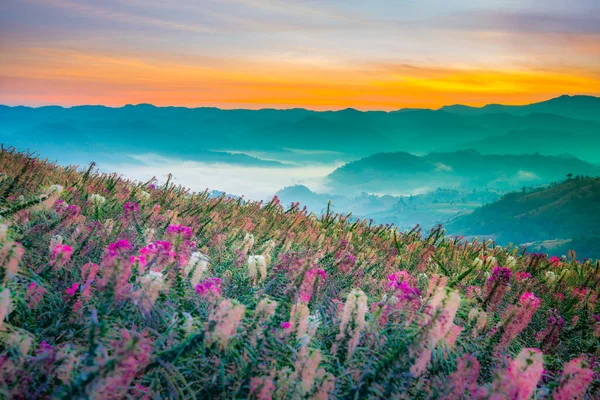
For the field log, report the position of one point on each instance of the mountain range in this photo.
(402, 172)
(300, 135)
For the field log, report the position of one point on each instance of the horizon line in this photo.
(295, 108)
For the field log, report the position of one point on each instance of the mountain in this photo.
(399, 172)
(299, 135)
(577, 143)
(578, 107)
(555, 218)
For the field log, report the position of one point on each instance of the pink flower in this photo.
(73, 289)
(61, 254)
(130, 208)
(120, 246)
(554, 261)
(180, 230)
(521, 276)
(286, 325)
(209, 288)
(528, 299)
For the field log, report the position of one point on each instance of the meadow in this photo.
(111, 289)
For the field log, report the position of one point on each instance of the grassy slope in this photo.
(139, 326)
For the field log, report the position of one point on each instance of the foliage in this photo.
(112, 288)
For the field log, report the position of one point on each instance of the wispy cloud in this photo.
(285, 53)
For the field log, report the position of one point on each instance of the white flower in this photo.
(3, 231)
(55, 189)
(257, 268)
(550, 276)
(144, 195)
(196, 266)
(511, 261)
(478, 263)
(97, 199)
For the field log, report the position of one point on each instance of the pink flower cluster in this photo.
(209, 288)
(61, 254)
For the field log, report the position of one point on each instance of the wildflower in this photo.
(195, 267)
(463, 381)
(515, 319)
(151, 284)
(257, 268)
(11, 254)
(209, 288)
(299, 319)
(265, 309)
(511, 262)
(144, 196)
(261, 388)
(50, 197)
(97, 200)
(352, 324)
(306, 289)
(72, 290)
(521, 276)
(67, 361)
(439, 320)
(21, 341)
(554, 261)
(34, 295)
(549, 336)
(247, 243)
(305, 369)
(521, 376)
(131, 209)
(550, 276)
(4, 305)
(575, 380)
(286, 325)
(180, 231)
(224, 321)
(187, 323)
(131, 354)
(496, 285)
(478, 262)
(61, 254)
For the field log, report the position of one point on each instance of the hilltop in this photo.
(556, 218)
(466, 169)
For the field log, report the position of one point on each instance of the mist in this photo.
(254, 183)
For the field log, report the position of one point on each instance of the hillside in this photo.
(396, 172)
(111, 288)
(567, 211)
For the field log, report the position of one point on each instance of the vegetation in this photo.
(569, 212)
(112, 288)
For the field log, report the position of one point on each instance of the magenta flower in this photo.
(210, 287)
(286, 325)
(61, 254)
(130, 208)
(118, 247)
(180, 230)
(73, 289)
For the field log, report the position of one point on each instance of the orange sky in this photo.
(114, 56)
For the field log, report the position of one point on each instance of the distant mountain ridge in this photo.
(578, 107)
(467, 169)
(348, 134)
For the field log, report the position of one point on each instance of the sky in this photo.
(318, 54)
